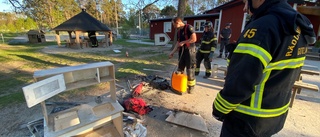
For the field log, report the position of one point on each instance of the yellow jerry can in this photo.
(179, 82)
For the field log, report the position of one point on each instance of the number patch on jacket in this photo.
(250, 33)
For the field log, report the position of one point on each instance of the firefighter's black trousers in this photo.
(187, 60)
(223, 45)
(207, 64)
(94, 41)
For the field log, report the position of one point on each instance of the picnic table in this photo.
(310, 70)
(299, 84)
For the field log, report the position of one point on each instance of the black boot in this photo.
(226, 55)
(220, 56)
(206, 76)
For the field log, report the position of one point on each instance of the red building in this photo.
(231, 12)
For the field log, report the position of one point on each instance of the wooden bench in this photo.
(224, 69)
(103, 43)
(84, 44)
(298, 85)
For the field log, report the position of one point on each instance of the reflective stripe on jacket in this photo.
(208, 42)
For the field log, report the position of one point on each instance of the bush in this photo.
(124, 34)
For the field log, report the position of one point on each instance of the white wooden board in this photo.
(116, 51)
(107, 130)
(44, 89)
(60, 70)
(188, 120)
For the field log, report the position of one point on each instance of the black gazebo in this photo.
(83, 22)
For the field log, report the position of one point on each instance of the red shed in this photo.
(164, 25)
(231, 12)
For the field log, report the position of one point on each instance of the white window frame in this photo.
(199, 28)
(167, 26)
(244, 21)
(216, 26)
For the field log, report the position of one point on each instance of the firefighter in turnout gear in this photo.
(206, 49)
(187, 50)
(267, 60)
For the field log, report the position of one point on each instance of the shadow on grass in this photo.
(12, 83)
(11, 86)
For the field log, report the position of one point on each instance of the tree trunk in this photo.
(181, 10)
(49, 14)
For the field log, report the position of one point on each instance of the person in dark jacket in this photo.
(187, 50)
(225, 35)
(206, 49)
(270, 52)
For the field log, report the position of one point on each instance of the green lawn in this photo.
(18, 62)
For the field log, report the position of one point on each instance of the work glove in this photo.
(211, 55)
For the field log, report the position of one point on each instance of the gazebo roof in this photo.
(82, 22)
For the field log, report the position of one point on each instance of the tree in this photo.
(219, 2)
(15, 23)
(30, 24)
(7, 18)
(47, 13)
(188, 11)
(11, 28)
(181, 11)
(3, 21)
(132, 18)
(19, 24)
(64, 10)
(108, 8)
(150, 12)
(199, 6)
(92, 8)
(168, 11)
(182, 8)
(202, 9)
(128, 23)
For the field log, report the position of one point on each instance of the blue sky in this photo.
(4, 7)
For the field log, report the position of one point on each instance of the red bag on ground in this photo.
(137, 105)
(137, 90)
